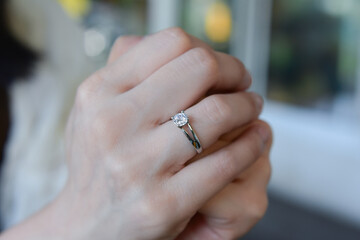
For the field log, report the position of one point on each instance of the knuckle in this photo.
(254, 147)
(177, 32)
(207, 60)
(228, 166)
(257, 208)
(119, 45)
(130, 106)
(119, 42)
(101, 124)
(121, 178)
(82, 93)
(87, 89)
(147, 210)
(124, 42)
(103, 120)
(159, 210)
(182, 39)
(217, 109)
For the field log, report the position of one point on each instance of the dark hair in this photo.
(15, 59)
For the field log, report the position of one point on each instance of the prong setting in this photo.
(180, 119)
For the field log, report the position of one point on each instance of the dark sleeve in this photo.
(4, 121)
(15, 62)
(15, 59)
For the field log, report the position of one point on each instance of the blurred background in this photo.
(304, 57)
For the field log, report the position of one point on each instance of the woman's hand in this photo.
(242, 203)
(132, 172)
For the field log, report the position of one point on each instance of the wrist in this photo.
(54, 222)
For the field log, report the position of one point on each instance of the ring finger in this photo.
(183, 81)
(210, 118)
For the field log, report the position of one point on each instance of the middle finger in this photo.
(211, 118)
(183, 81)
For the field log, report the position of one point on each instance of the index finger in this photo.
(138, 63)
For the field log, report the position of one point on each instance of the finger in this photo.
(233, 75)
(260, 171)
(228, 213)
(122, 45)
(156, 50)
(201, 180)
(235, 68)
(248, 188)
(227, 138)
(183, 81)
(229, 69)
(235, 210)
(148, 56)
(210, 119)
(242, 194)
(242, 203)
(238, 207)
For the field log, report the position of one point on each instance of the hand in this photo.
(242, 203)
(131, 171)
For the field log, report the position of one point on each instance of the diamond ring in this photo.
(180, 120)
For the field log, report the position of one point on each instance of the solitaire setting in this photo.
(180, 120)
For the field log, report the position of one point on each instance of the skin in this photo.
(133, 174)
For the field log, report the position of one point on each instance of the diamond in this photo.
(180, 119)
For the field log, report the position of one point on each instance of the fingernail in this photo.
(259, 101)
(264, 133)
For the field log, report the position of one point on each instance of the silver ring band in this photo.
(180, 120)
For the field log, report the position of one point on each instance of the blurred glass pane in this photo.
(314, 53)
(209, 20)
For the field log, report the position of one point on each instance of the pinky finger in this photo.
(201, 180)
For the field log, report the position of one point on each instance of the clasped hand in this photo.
(132, 172)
